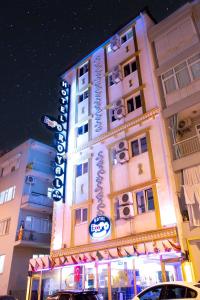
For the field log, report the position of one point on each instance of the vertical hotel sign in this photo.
(60, 128)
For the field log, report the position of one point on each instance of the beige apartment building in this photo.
(25, 212)
(176, 44)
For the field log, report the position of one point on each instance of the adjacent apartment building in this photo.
(25, 212)
(176, 44)
(116, 228)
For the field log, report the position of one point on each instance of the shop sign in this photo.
(60, 127)
(100, 227)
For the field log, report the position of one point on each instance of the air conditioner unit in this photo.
(184, 124)
(115, 42)
(30, 179)
(121, 146)
(122, 157)
(125, 199)
(126, 212)
(118, 103)
(119, 113)
(116, 74)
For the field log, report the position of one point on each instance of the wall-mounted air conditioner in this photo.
(184, 125)
(118, 103)
(121, 146)
(126, 212)
(122, 157)
(30, 179)
(125, 199)
(119, 113)
(115, 42)
(116, 74)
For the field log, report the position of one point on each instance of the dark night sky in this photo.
(38, 40)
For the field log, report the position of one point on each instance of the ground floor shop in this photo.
(117, 272)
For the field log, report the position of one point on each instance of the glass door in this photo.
(35, 288)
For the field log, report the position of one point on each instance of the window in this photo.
(130, 68)
(145, 201)
(81, 215)
(7, 195)
(182, 74)
(10, 166)
(138, 146)
(112, 114)
(4, 227)
(83, 70)
(2, 261)
(83, 96)
(81, 169)
(125, 37)
(152, 293)
(37, 224)
(110, 80)
(83, 129)
(133, 103)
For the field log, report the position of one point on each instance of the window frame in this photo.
(83, 164)
(85, 68)
(83, 129)
(139, 146)
(145, 201)
(82, 221)
(5, 227)
(133, 98)
(130, 64)
(7, 195)
(127, 35)
(85, 95)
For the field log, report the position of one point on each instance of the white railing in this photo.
(187, 147)
(38, 200)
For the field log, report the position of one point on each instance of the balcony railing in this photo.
(186, 147)
(33, 236)
(37, 199)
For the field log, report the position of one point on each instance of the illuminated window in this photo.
(2, 261)
(130, 68)
(4, 226)
(133, 103)
(139, 146)
(7, 195)
(145, 201)
(81, 169)
(83, 69)
(81, 215)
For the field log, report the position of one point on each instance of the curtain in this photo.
(192, 193)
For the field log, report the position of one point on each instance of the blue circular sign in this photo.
(56, 195)
(100, 227)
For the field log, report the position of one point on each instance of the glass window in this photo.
(151, 294)
(133, 66)
(191, 293)
(81, 215)
(110, 80)
(150, 201)
(137, 101)
(135, 148)
(123, 39)
(4, 227)
(85, 214)
(83, 129)
(182, 75)
(85, 167)
(175, 292)
(77, 216)
(112, 115)
(127, 70)
(78, 170)
(130, 105)
(143, 144)
(140, 202)
(83, 70)
(2, 261)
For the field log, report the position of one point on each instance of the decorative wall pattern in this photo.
(98, 74)
(99, 183)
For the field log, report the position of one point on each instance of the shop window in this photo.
(83, 129)
(4, 227)
(130, 68)
(83, 69)
(125, 37)
(83, 96)
(81, 169)
(182, 74)
(133, 103)
(139, 146)
(81, 215)
(145, 201)
(2, 261)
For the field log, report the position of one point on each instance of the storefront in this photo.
(117, 273)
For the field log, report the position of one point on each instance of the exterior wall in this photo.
(34, 161)
(175, 40)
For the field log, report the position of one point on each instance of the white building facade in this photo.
(25, 212)
(177, 66)
(117, 228)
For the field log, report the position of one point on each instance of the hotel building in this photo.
(116, 228)
(176, 44)
(25, 212)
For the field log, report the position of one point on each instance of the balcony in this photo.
(40, 169)
(186, 147)
(37, 202)
(28, 238)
